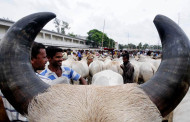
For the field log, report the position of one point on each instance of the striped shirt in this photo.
(67, 72)
(12, 114)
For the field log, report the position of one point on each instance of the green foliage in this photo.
(140, 47)
(111, 43)
(155, 47)
(121, 46)
(145, 46)
(131, 46)
(95, 38)
(71, 34)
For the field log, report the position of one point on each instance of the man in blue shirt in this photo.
(55, 69)
(79, 55)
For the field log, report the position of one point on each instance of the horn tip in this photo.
(159, 17)
(48, 13)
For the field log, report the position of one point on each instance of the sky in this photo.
(126, 21)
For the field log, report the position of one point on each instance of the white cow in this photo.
(95, 67)
(107, 78)
(85, 66)
(114, 66)
(154, 62)
(136, 65)
(146, 71)
(182, 111)
(145, 67)
(68, 61)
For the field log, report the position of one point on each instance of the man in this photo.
(90, 58)
(79, 55)
(55, 69)
(38, 61)
(38, 57)
(128, 69)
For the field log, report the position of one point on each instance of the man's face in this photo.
(90, 60)
(57, 59)
(39, 62)
(125, 59)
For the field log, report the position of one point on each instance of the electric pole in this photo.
(103, 34)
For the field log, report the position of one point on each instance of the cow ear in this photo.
(18, 81)
(171, 82)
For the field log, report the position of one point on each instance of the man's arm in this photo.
(82, 81)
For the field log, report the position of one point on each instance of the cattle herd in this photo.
(144, 67)
(159, 84)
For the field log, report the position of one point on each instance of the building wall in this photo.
(49, 37)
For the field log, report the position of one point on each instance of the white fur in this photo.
(145, 67)
(147, 70)
(136, 70)
(107, 78)
(68, 103)
(114, 66)
(85, 65)
(95, 67)
(182, 111)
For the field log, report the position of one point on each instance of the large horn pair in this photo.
(20, 84)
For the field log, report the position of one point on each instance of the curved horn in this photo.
(171, 82)
(18, 82)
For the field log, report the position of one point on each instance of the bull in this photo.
(39, 101)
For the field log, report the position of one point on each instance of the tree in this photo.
(71, 34)
(64, 26)
(145, 46)
(57, 24)
(61, 25)
(121, 46)
(6, 18)
(106, 41)
(95, 38)
(112, 43)
(131, 46)
(156, 47)
(139, 45)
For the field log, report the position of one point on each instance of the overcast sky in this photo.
(126, 21)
